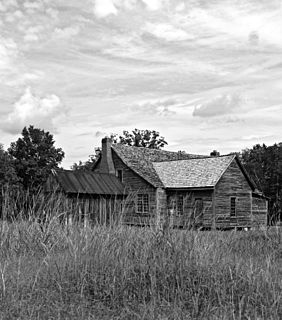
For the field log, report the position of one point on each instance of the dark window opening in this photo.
(142, 203)
(119, 175)
(180, 205)
(233, 206)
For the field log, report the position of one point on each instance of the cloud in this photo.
(8, 52)
(33, 5)
(67, 32)
(33, 33)
(167, 32)
(153, 4)
(254, 38)
(5, 5)
(103, 8)
(161, 108)
(30, 109)
(220, 105)
(180, 7)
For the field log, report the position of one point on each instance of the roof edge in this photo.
(223, 171)
(126, 164)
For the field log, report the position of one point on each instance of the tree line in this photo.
(28, 162)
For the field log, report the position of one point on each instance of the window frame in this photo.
(119, 174)
(143, 202)
(233, 206)
(180, 205)
(201, 211)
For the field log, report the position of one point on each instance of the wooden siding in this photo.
(189, 218)
(104, 210)
(233, 184)
(259, 211)
(135, 185)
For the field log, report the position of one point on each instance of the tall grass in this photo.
(52, 271)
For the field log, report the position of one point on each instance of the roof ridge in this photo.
(198, 158)
(151, 149)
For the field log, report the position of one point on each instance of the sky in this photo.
(206, 74)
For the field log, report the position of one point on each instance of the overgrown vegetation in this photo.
(264, 164)
(50, 270)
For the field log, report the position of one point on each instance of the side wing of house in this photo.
(140, 206)
(233, 199)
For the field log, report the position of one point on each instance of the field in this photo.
(52, 271)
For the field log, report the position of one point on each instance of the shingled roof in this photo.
(141, 160)
(82, 182)
(193, 173)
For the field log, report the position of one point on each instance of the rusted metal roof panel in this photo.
(81, 182)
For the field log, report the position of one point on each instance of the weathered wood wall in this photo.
(259, 211)
(93, 209)
(233, 184)
(190, 217)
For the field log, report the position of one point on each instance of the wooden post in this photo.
(213, 226)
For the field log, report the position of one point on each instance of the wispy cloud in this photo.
(167, 32)
(220, 105)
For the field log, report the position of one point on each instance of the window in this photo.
(198, 207)
(233, 206)
(179, 205)
(119, 175)
(142, 203)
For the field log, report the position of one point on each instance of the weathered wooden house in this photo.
(88, 196)
(193, 191)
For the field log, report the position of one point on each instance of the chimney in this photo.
(107, 164)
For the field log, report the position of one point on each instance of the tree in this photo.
(8, 175)
(87, 165)
(35, 156)
(141, 138)
(215, 153)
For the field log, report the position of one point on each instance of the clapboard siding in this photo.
(259, 211)
(233, 184)
(189, 218)
(135, 185)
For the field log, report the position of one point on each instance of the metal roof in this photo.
(193, 173)
(85, 182)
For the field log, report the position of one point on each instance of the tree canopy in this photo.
(34, 156)
(141, 138)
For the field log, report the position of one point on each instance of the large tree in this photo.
(35, 156)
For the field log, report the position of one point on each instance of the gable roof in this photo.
(193, 173)
(84, 182)
(140, 160)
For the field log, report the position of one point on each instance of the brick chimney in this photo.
(107, 164)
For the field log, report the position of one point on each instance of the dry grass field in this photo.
(51, 271)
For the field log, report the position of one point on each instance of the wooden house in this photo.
(87, 196)
(189, 190)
